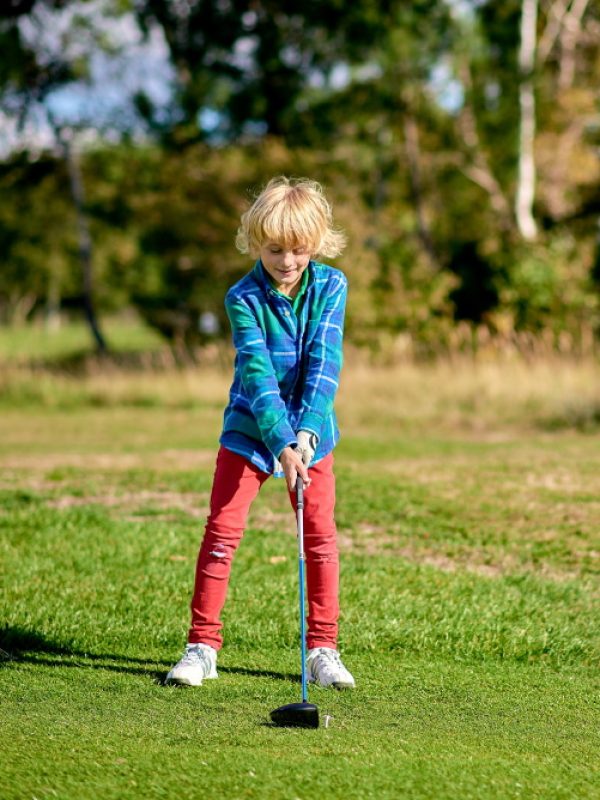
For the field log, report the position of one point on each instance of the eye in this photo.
(275, 250)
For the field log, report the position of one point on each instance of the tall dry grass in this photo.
(461, 393)
(473, 395)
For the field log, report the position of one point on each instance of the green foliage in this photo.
(408, 113)
(37, 236)
(258, 65)
(549, 288)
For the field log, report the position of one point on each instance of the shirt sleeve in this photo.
(259, 378)
(324, 360)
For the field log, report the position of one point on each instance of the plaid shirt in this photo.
(287, 365)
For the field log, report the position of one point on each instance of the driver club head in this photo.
(296, 715)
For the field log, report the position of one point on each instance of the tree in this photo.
(51, 45)
(256, 65)
(435, 126)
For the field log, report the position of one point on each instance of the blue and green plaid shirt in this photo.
(287, 365)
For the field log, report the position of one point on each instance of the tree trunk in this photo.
(526, 176)
(413, 157)
(52, 316)
(85, 243)
(478, 169)
(568, 42)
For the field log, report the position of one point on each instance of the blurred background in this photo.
(457, 139)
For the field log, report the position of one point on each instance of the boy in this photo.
(287, 318)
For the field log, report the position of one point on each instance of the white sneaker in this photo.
(324, 666)
(199, 661)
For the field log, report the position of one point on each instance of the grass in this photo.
(468, 525)
(20, 344)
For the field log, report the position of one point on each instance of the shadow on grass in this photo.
(18, 644)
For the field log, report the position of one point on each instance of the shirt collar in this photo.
(262, 277)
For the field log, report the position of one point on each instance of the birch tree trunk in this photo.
(526, 175)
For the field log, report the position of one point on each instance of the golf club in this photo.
(304, 714)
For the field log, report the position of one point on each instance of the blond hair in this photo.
(291, 212)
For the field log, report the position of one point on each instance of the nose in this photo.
(289, 259)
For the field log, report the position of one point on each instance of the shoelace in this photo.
(328, 660)
(194, 655)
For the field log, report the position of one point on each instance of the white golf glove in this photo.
(307, 444)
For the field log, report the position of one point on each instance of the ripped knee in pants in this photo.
(218, 562)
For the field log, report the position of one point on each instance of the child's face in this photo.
(285, 265)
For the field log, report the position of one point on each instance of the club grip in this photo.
(299, 492)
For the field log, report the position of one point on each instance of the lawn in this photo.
(469, 524)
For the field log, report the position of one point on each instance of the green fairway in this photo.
(470, 600)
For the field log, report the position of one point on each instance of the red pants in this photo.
(236, 484)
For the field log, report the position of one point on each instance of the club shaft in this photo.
(300, 527)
